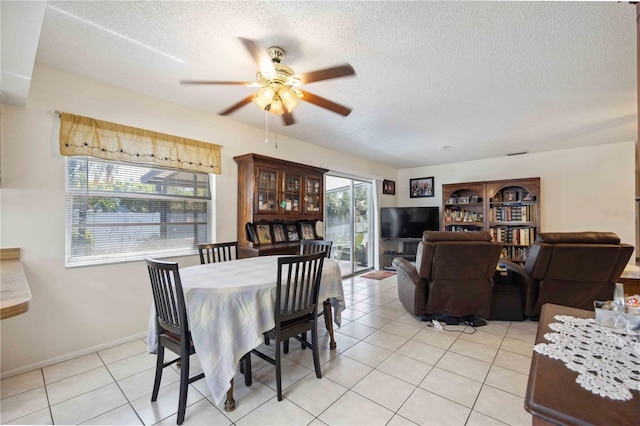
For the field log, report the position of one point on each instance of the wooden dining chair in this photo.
(314, 246)
(297, 292)
(172, 329)
(218, 252)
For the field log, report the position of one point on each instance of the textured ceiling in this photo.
(483, 78)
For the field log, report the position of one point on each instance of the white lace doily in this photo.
(607, 363)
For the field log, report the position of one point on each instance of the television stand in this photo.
(398, 247)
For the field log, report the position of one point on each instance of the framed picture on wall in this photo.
(421, 187)
(389, 187)
(264, 233)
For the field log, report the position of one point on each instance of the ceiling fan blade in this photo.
(258, 54)
(325, 103)
(327, 73)
(287, 117)
(234, 107)
(234, 83)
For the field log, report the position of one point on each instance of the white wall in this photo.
(76, 309)
(582, 189)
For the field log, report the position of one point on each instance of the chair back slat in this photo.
(298, 286)
(218, 252)
(315, 246)
(168, 297)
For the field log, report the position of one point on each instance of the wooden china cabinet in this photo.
(275, 190)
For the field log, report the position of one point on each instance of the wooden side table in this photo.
(553, 396)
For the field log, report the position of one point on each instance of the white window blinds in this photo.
(117, 211)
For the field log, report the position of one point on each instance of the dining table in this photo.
(229, 307)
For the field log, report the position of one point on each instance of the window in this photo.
(121, 211)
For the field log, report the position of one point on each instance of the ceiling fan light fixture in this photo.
(289, 98)
(264, 97)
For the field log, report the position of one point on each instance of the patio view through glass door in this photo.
(349, 216)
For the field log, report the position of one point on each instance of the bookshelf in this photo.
(508, 209)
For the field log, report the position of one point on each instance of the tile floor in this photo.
(389, 369)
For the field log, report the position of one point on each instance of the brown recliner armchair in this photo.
(453, 274)
(571, 269)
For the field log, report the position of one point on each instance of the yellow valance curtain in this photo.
(110, 141)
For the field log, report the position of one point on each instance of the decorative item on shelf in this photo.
(252, 236)
(421, 187)
(308, 233)
(264, 233)
(389, 187)
(279, 235)
(463, 200)
(474, 199)
(510, 195)
(453, 199)
(528, 197)
(292, 232)
(497, 197)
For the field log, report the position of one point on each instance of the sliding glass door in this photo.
(349, 221)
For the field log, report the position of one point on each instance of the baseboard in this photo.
(67, 357)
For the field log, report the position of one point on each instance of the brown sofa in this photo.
(571, 269)
(453, 274)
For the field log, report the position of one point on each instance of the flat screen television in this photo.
(408, 222)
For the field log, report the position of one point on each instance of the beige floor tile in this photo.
(452, 386)
(526, 325)
(315, 395)
(291, 373)
(373, 320)
(498, 328)
(201, 413)
(388, 313)
(396, 304)
(409, 318)
(275, 412)
(404, 368)
(421, 352)
(165, 406)
(398, 420)
(468, 367)
(69, 368)
(88, 405)
(518, 346)
(439, 338)
(345, 371)
(384, 389)
(479, 419)
(317, 422)
(484, 337)
(123, 415)
(522, 334)
(349, 315)
(513, 361)
(507, 380)
(23, 404)
(343, 342)
(41, 417)
(364, 307)
(426, 408)
(402, 329)
(368, 354)
(77, 385)
(368, 413)
(141, 384)
(502, 406)
(474, 350)
(358, 297)
(125, 350)
(21, 383)
(132, 365)
(305, 356)
(357, 331)
(386, 340)
(247, 398)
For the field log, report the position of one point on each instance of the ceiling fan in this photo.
(278, 85)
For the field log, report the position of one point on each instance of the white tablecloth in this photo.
(230, 305)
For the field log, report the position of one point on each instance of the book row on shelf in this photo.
(458, 228)
(462, 216)
(523, 236)
(513, 214)
(517, 254)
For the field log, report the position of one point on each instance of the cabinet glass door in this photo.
(291, 193)
(313, 195)
(267, 191)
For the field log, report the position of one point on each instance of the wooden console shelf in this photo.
(15, 294)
